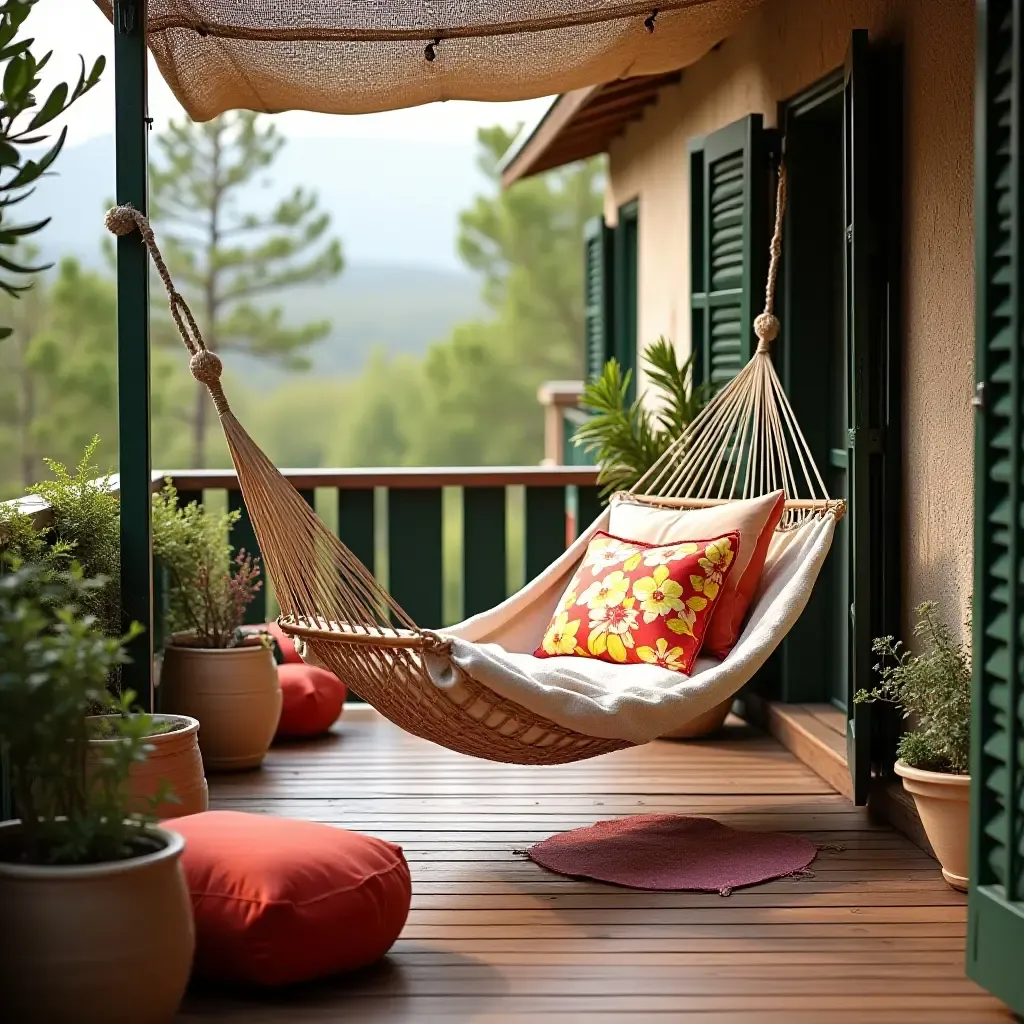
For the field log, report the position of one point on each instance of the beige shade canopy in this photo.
(361, 56)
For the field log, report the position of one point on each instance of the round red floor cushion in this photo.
(311, 700)
(278, 901)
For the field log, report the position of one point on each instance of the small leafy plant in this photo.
(22, 119)
(933, 687)
(209, 587)
(75, 807)
(83, 525)
(629, 438)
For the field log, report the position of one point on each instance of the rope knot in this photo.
(766, 326)
(206, 367)
(120, 220)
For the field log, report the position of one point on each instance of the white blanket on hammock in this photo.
(627, 702)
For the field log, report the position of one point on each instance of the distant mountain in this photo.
(393, 204)
(391, 201)
(397, 309)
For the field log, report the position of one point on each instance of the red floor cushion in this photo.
(278, 901)
(311, 700)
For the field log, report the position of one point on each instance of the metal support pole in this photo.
(133, 419)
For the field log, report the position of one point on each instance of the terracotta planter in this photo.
(110, 942)
(233, 693)
(703, 725)
(175, 757)
(943, 802)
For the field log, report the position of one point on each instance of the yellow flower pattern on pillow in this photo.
(634, 603)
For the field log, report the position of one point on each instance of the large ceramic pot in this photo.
(235, 695)
(175, 758)
(703, 725)
(108, 943)
(943, 803)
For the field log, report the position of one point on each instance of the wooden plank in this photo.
(415, 558)
(875, 934)
(397, 477)
(816, 744)
(483, 549)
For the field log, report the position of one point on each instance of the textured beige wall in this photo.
(781, 49)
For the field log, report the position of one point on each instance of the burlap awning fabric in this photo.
(361, 56)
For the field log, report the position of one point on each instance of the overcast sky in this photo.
(70, 27)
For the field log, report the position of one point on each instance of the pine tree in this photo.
(226, 259)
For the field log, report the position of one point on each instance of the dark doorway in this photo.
(812, 361)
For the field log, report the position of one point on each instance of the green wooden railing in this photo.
(447, 543)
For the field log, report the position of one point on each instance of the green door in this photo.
(995, 946)
(871, 204)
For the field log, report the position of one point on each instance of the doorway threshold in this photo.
(816, 735)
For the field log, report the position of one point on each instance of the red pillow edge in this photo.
(755, 565)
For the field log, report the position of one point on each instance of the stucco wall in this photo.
(781, 49)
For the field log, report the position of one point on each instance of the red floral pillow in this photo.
(634, 603)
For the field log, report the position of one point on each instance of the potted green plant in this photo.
(933, 689)
(79, 518)
(213, 671)
(174, 762)
(627, 439)
(96, 912)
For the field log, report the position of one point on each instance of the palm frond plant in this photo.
(626, 437)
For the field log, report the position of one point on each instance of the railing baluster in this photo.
(244, 536)
(187, 497)
(483, 549)
(588, 507)
(356, 524)
(415, 560)
(545, 527)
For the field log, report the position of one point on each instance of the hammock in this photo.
(474, 687)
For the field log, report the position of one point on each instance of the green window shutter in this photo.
(627, 291)
(729, 233)
(597, 296)
(996, 922)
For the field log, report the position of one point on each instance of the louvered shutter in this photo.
(996, 925)
(626, 301)
(597, 296)
(729, 191)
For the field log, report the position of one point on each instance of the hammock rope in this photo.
(746, 441)
(738, 446)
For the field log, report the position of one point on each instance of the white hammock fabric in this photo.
(636, 703)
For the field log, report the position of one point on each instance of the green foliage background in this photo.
(471, 400)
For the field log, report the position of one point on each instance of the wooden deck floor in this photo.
(874, 936)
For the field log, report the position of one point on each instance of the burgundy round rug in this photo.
(673, 852)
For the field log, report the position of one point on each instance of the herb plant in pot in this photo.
(212, 671)
(933, 689)
(96, 918)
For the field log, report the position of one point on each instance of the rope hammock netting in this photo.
(745, 443)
